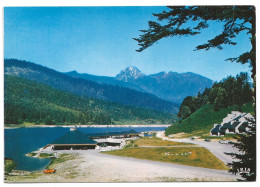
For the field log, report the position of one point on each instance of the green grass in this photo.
(192, 156)
(154, 141)
(45, 155)
(60, 159)
(199, 156)
(201, 121)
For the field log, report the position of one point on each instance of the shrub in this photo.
(9, 165)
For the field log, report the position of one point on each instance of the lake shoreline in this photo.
(86, 126)
(20, 141)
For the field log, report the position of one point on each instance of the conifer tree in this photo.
(246, 164)
(235, 19)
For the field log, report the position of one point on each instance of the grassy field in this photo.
(154, 141)
(201, 121)
(191, 156)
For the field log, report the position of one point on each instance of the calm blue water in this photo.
(20, 141)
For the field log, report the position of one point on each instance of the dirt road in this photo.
(216, 148)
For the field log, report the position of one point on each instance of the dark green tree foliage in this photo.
(246, 164)
(231, 91)
(191, 104)
(219, 101)
(9, 165)
(29, 101)
(228, 92)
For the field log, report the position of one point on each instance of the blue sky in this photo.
(98, 40)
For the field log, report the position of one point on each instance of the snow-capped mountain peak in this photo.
(130, 73)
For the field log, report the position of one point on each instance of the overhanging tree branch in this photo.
(236, 19)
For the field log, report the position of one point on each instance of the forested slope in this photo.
(199, 113)
(30, 101)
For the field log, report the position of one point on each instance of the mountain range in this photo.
(87, 88)
(162, 91)
(169, 86)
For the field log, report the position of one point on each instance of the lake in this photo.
(20, 141)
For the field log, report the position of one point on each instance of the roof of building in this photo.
(216, 129)
(112, 133)
(74, 137)
(237, 118)
(78, 137)
(236, 123)
(243, 126)
(227, 126)
(221, 131)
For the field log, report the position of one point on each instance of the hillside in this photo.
(169, 86)
(203, 119)
(87, 88)
(32, 102)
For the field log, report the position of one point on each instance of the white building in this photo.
(235, 123)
